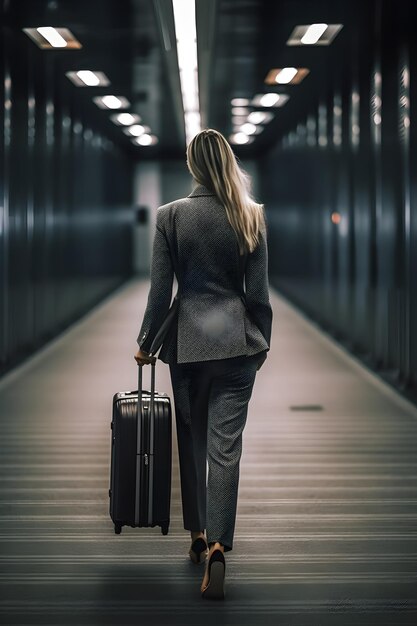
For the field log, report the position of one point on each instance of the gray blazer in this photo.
(213, 321)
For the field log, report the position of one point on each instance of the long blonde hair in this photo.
(212, 163)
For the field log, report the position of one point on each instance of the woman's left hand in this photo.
(143, 358)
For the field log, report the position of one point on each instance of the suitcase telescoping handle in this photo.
(152, 408)
(145, 458)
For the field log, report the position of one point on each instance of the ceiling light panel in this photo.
(87, 78)
(145, 140)
(286, 76)
(240, 102)
(240, 138)
(125, 119)
(314, 34)
(270, 99)
(239, 119)
(186, 39)
(111, 102)
(240, 111)
(260, 117)
(137, 130)
(48, 37)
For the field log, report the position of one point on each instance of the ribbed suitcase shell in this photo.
(140, 475)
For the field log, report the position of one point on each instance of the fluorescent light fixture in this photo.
(136, 130)
(125, 119)
(190, 99)
(87, 78)
(314, 34)
(256, 131)
(187, 60)
(145, 140)
(48, 37)
(238, 119)
(240, 138)
(270, 99)
(52, 36)
(240, 102)
(248, 128)
(240, 111)
(286, 75)
(260, 117)
(111, 102)
(186, 39)
(192, 122)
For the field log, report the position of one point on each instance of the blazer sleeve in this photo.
(160, 293)
(257, 287)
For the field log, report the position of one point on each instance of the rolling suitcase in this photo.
(141, 451)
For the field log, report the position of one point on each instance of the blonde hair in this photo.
(212, 163)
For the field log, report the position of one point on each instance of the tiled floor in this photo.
(326, 530)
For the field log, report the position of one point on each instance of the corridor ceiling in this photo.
(239, 41)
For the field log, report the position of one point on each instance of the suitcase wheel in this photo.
(164, 529)
(117, 529)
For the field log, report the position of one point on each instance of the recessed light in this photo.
(145, 140)
(270, 99)
(314, 34)
(136, 130)
(111, 102)
(240, 102)
(87, 78)
(260, 117)
(48, 37)
(240, 138)
(286, 75)
(125, 119)
(239, 119)
(240, 111)
(248, 128)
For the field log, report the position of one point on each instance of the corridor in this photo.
(325, 530)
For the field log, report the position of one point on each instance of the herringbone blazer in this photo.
(218, 316)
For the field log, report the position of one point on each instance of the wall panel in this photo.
(356, 276)
(66, 198)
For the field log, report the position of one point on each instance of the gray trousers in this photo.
(211, 404)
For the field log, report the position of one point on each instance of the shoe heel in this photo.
(199, 554)
(217, 570)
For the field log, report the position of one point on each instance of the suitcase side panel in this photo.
(123, 471)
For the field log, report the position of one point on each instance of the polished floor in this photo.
(326, 530)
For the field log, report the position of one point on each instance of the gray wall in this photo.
(66, 205)
(354, 153)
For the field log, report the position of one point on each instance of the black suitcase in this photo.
(141, 451)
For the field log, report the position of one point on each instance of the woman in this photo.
(221, 337)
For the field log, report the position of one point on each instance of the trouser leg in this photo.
(190, 392)
(227, 412)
